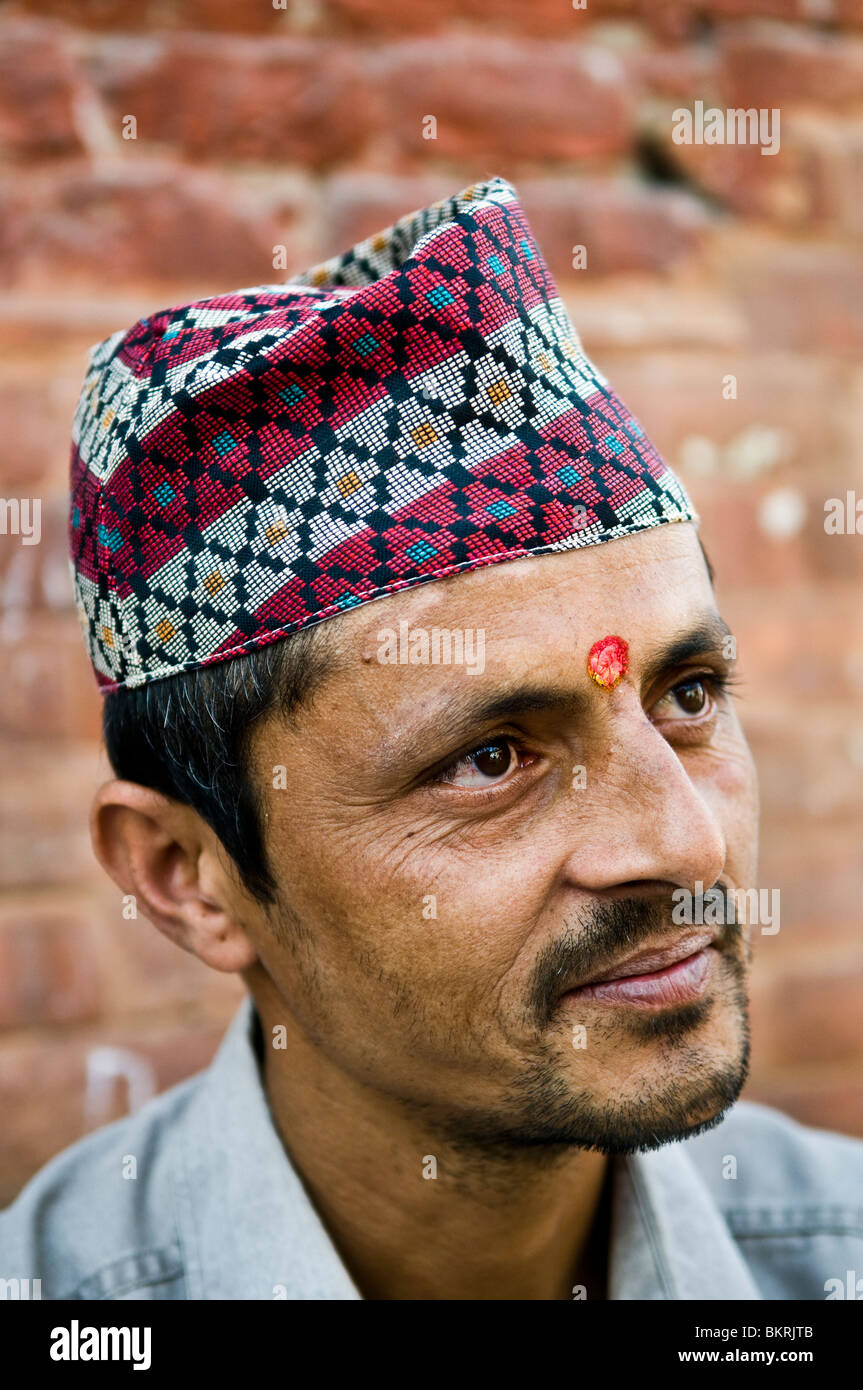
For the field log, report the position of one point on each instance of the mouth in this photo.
(658, 978)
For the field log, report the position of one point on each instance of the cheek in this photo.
(480, 908)
(418, 904)
(728, 781)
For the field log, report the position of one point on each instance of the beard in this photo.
(686, 1087)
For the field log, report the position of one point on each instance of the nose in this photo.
(642, 819)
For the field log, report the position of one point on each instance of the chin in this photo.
(671, 1103)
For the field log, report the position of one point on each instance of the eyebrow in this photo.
(459, 718)
(704, 639)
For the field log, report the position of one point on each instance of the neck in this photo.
(416, 1215)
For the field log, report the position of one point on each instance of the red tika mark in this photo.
(608, 661)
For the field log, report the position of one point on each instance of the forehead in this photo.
(634, 586)
(538, 618)
(530, 621)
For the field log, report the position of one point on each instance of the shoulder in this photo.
(98, 1220)
(791, 1196)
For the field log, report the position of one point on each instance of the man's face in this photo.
(458, 851)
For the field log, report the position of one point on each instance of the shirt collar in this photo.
(668, 1237)
(250, 1230)
(248, 1226)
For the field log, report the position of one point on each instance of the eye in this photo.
(482, 767)
(691, 697)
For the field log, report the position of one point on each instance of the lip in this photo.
(675, 974)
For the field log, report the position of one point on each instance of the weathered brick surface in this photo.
(569, 102)
(37, 94)
(292, 132)
(46, 971)
(785, 66)
(289, 101)
(139, 221)
(44, 1081)
(622, 226)
(801, 296)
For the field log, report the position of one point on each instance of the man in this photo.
(418, 701)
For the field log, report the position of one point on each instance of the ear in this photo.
(173, 863)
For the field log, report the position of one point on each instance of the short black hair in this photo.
(187, 736)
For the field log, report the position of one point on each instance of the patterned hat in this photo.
(252, 464)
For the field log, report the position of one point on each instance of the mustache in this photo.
(613, 929)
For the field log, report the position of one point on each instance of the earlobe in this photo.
(165, 856)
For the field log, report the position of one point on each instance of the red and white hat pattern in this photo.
(248, 465)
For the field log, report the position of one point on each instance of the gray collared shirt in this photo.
(757, 1208)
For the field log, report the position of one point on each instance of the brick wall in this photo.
(302, 127)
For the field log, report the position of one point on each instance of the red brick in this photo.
(745, 181)
(357, 204)
(43, 1082)
(818, 867)
(780, 66)
(762, 9)
(812, 1013)
(542, 17)
(678, 397)
(157, 15)
(669, 18)
(683, 19)
(563, 101)
(849, 12)
(42, 1101)
(37, 92)
(805, 297)
(829, 157)
(826, 1098)
(820, 779)
(684, 71)
(45, 795)
(145, 222)
(36, 410)
(298, 100)
(49, 690)
(787, 641)
(625, 226)
(679, 18)
(813, 183)
(48, 970)
(641, 313)
(36, 576)
(731, 527)
(40, 326)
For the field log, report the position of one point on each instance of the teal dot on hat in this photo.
(438, 297)
(421, 551)
(224, 442)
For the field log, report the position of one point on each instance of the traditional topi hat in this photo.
(251, 464)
